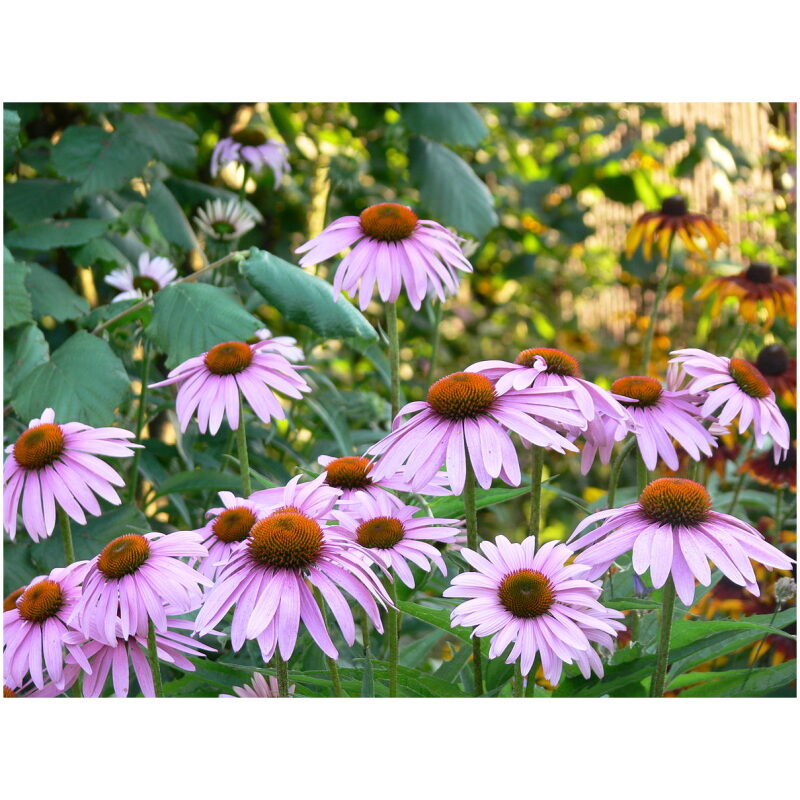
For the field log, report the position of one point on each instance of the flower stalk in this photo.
(241, 447)
(393, 634)
(394, 355)
(472, 543)
(140, 417)
(152, 657)
(665, 632)
(661, 290)
(66, 535)
(537, 466)
(282, 670)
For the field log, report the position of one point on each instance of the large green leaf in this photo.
(169, 140)
(17, 308)
(170, 217)
(449, 189)
(449, 123)
(11, 125)
(56, 233)
(24, 349)
(83, 382)
(737, 682)
(200, 480)
(305, 298)
(37, 198)
(52, 296)
(190, 318)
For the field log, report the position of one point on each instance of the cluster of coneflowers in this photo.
(269, 562)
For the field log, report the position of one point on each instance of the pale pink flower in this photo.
(152, 274)
(258, 687)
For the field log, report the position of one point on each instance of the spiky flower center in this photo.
(748, 378)
(350, 472)
(229, 358)
(8, 691)
(388, 222)
(145, 284)
(646, 390)
(759, 272)
(773, 360)
(233, 524)
(222, 227)
(674, 206)
(381, 533)
(675, 501)
(41, 601)
(123, 555)
(558, 362)
(286, 540)
(526, 593)
(250, 136)
(461, 395)
(40, 446)
(10, 602)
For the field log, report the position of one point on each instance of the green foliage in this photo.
(37, 198)
(448, 123)
(51, 296)
(56, 233)
(24, 348)
(17, 307)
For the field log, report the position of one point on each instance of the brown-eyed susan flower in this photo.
(659, 227)
(778, 474)
(758, 286)
(779, 371)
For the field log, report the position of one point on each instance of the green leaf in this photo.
(687, 631)
(169, 140)
(66, 384)
(449, 188)
(23, 350)
(106, 312)
(619, 188)
(454, 506)
(98, 160)
(190, 318)
(305, 298)
(629, 603)
(449, 123)
(200, 480)
(37, 198)
(17, 307)
(52, 296)
(743, 683)
(56, 233)
(170, 217)
(11, 125)
(194, 193)
(671, 134)
(99, 252)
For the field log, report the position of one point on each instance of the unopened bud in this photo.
(785, 589)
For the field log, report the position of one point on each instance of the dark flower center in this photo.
(233, 524)
(388, 222)
(350, 472)
(222, 227)
(286, 540)
(675, 501)
(461, 395)
(8, 691)
(748, 378)
(249, 136)
(526, 593)
(674, 206)
(41, 601)
(123, 555)
(146, 284)
(10, 603)
(646, 390)
(759, 272)
(773, 360)
(558, 362)
(380, 533)
(40, 446)
(229, 358)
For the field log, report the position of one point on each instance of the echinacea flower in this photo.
(268, 579)
(258, 687)
(34, 630)
(210, 383)
(251, 148)
(394, 249)
(661, 415)
(139, 577)
(659, 227)
(117, 657)
(608, 422)
(759, 286)
(464, 414)
(392, 534)
(672, 530)
(779, 371)
(780, 473)
(54, 464)
(534, 599)
(49, 690)
(283, 345)
(152, 274)
(314, 498)
(224, 221)
(738, 389)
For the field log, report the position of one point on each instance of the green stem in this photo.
(661, 290)
(243, 187)
(616, 470)
(394, 356)
(535, 521)
(66, 535)
(241, 446)
(742, 333)
(152, 657)
(740, 483)
(437, 319)
(642, 475)
(282, 670)
(516, 686)
(333, 668)
(140, 417)
(758, 649)
(778, 513)
(665, 631)
(531, 678)
(365, 632)
(393, 633)
(472, 544)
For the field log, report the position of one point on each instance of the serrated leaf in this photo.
(449, 123)
(83, 382)
(170, 217)
(200, 480)
(23, 350)
(449, 189)
(190, 318)
(99, 251)
(52, 296)
(305, 298)
(37, 198)
(17, 307)
(169, 140)
(56, 233)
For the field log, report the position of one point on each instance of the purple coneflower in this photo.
(395, 248)
(152, 274)
(314, 499)
(211, 382)
(463, 413)
(224, 221)
(139, 577)
(251, 148)
(741, 390)
(531, 598)
(672, 530)
(392, 535)
(258, 687)
(283, 345)
(52, 464)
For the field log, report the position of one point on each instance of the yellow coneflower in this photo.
(780, 372)
(658, 227)
(758, 285)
